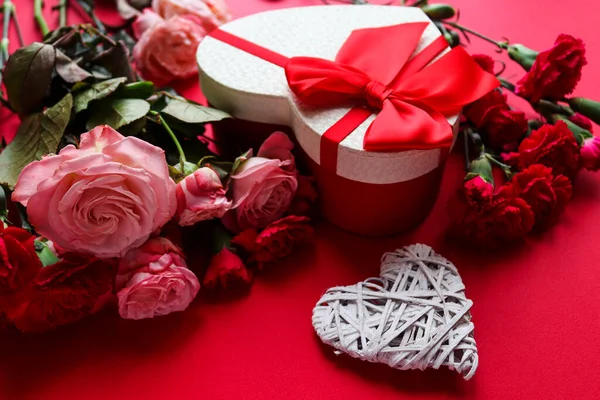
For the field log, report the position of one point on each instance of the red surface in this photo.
(536, 312)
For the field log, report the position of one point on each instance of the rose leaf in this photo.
(27, 77)
(192, 113)
(96, 92)
(68, 70)
(38, 135)
(117, 112)
(137, 90)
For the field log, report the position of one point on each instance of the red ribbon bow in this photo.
(414, 96)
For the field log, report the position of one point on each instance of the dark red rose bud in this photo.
(227, 270)
(582, 121)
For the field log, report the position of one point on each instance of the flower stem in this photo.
(505, 168)
(89, 10)
(162, 121)
(501, 45)
(62, 16)
(39, 17)
(17, 26)
(7, 12)
(466, 143)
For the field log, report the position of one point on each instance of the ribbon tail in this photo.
(404, 126)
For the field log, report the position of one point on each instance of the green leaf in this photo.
(27, 77)
(68, 70)
(192, 113)
(116, 61)
(39, 134)
(137, 90)
(117, 112)
(96, 92)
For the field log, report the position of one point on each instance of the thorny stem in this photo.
(162, 121)
(501, 45)
(39, 17)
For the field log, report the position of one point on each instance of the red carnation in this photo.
(276, 241)
(502, 220)
(477, 191)
(546, 195)
(62, 293)
(492, 115)
(485, 62)
(555, 72)
(553, 146)
(227, 270)
(19, 262)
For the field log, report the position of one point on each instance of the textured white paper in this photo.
(253, 89)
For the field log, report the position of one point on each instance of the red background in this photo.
(536, 312)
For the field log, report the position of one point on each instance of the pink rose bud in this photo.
(154, 280)
(167, 48)
(228, 271)
(209, 14)
(145, 22)
(103, 198)
(263, 187)
(590, 154)
(200, 197)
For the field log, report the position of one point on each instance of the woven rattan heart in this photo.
(414, 316)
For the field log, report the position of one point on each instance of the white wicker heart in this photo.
(414, 316)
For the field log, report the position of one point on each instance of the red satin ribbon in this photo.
(374, 71)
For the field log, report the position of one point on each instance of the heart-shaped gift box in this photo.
(243, 67)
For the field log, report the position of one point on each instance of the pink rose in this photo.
(200, 197)
(154, 280)
(167, 48)
(104, 198)
(263, 186)
(590, 154)
(209, 14)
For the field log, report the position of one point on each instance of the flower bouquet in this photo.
(109, 174)
(114, 193)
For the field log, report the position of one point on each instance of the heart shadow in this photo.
(414, 381)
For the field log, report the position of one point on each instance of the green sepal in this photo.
(524, 56)
(587, 107)
(481, 167)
